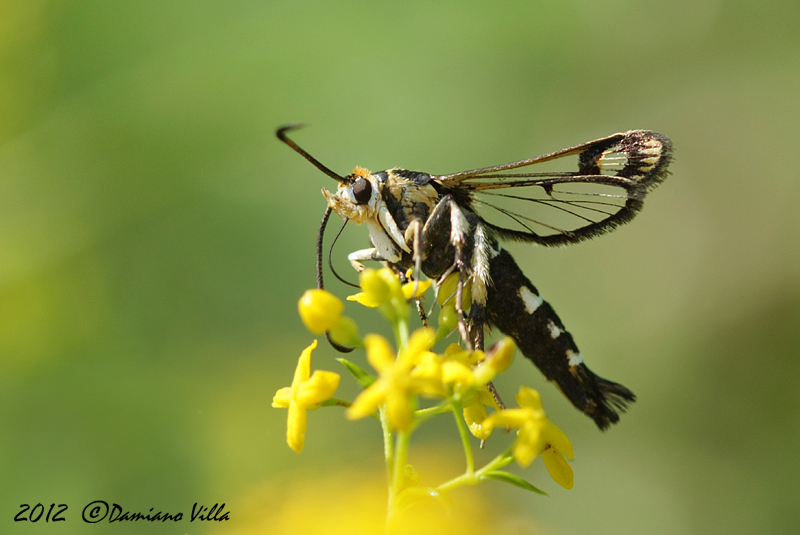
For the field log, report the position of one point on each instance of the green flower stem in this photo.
(397, 472)
(502, 460)
(336, 402)
(463, 431)
(396, 453)
(388, 444)
(423, 415)
(400, 456)
(401, 332)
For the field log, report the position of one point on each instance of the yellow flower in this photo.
(557, 446)
(412, 372)
(465, 369)
(381, 288)
(475, 414)
(501, 354)
(428, 369)
(536, 435)
(457, 366)
(421, 286)
(363, 298)
(307, 392)
(381, 285)
(458, 372)
(497, 360)
(455, 353)
(320, 311)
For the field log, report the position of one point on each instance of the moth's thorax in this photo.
(408, 195)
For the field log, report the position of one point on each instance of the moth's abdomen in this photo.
(515, 307)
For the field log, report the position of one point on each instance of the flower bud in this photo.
(320, 311)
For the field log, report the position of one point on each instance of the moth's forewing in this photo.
(575, 194)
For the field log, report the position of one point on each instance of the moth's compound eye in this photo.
(362, 190)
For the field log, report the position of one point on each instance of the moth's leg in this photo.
(445, 239)
(357, 257)
(415, 228)
(421, 311)
(414, 233)
(459, 230)
(463, 329)
(477, 318)
(481, 282)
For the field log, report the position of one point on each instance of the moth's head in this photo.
(357, 196)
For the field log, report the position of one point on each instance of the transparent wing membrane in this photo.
(558, 213)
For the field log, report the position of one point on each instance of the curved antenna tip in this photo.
(288, 128)
(281, 133)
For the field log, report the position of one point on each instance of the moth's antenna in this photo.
(281, 133)
(320, 234)
(320, 283)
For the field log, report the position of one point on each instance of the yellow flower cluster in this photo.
(469, 373)
(456, 376)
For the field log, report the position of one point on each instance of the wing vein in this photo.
(577, 203)
(516, 217)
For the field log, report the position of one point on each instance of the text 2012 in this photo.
(34, 514)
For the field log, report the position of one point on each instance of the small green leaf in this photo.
(363, 378)
(514, 480)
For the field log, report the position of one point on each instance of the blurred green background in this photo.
(155, 238)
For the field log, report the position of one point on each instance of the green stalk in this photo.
(504, 459)
(463, 432)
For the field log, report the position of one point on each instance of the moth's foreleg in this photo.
(357, 257)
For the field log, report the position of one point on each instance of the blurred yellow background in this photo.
(155, 238)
